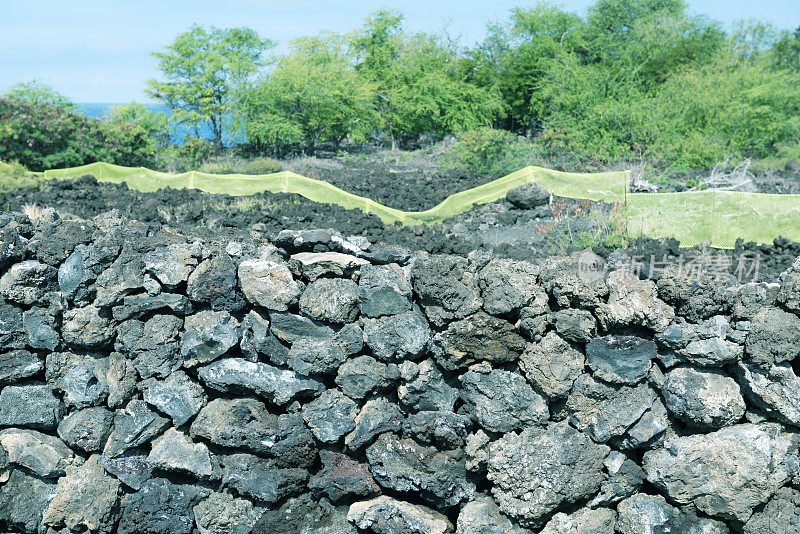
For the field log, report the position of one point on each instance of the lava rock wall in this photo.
(153, 383)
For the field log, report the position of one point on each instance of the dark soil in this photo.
(564, 227)
(414, 184)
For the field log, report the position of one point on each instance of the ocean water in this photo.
(99, 110)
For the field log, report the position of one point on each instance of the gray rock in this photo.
(507, 286)
(383, 290)
(214, 282)
(446, 430)
(625, 479)
(424, 388)
(647, 513)
(616, 414)
(246, 424)
(85, 484)
(258, 341)
(703, 344)
(130, 467)
(477, 338)
(261, 479)
(482, 516)
(209, 334)
(648, 430)
(81, 378)
(633, 302)
(140, 305)
(584, 521)
(752, 297)
(276, 385)
(384, 515)
(376, 417)
(160, 507)
(332, 264)
(405, 466)
(447, 289)
(477, 452)
(575, 325)
(789, 292)
(774, 337)
(121, 278)
(708, 399)
(501, 401)
(331, 300)
(342, 478)
(12, 329)
(173, 264)
(222, 514)
(120, 379)
(288, 327)
(775, 390)
(32, 406)
(305, 515)
(360, 376)
(153, 345)
(23, 501)
(86, 429)
(560, 277)
(46, 456)
(397, 337)
(552, 365)
(695, 295)
(539, 470)
(780, 515)
(87, 328)
(40, 327)
(330, 416)
(174, 451)
(310, 356)
(17, 365)
(269, 283)
(177, 396)
(28, 282)
(528, 196)
(694, 469)
(134, 425)
(620, 359)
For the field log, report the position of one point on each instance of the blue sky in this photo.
(99, 50)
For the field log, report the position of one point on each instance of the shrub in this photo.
(196, 150)
(14, 176)
(493, 152)
(44, 136)
(261, 166)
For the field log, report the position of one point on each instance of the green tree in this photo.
(786, 52)
(420, 84)
(155, 124)
(203, 70)
(313, 95)
(516, 55)
(35, 93)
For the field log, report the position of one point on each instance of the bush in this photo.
(241, 166)
(493, 152)
(260, 166)
(196, 150)
(14, 176)
(44, 136)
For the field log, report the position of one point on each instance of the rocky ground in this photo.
(308, 382)
(524, 226)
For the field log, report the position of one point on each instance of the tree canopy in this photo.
(203, 70)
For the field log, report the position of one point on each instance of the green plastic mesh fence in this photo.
(716, 217)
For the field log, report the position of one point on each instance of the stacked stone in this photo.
(151, 383)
